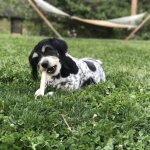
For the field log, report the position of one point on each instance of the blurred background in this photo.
(17, 16)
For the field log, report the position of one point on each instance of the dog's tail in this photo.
(102, 72)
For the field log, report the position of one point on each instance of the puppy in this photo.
(61, 70)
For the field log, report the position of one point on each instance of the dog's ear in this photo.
(33, 60)
(59, 45)
(68, 66)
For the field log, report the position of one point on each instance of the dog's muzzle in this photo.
(50, 69)
(45, 64)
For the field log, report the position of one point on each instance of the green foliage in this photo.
(90, 9)
(110, 115)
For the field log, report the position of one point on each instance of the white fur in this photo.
(35, 55)
(52, 62)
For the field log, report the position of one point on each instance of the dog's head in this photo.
(50, 55)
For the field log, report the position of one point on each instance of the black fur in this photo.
(88, 82)
(33, 62)
(68, 66)
(90, 65)
(59, 45)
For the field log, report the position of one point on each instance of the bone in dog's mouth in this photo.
(43, 82)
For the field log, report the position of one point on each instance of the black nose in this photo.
(44, 64)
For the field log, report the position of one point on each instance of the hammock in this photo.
(136, 19)
(123, 22)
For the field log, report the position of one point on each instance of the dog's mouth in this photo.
(51, 70)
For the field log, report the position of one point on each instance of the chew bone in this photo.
(43, 83)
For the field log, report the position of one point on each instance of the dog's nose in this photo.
(44, 64)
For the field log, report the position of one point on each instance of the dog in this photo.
(63, 71)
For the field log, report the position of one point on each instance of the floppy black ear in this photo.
(34, 62)
(59, 45)
(68, 66)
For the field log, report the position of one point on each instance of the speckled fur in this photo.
(75, 81)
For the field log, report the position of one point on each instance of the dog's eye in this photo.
(51, 69)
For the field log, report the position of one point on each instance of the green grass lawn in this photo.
(107, 116)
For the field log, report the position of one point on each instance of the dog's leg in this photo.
(41, 90)
(50, 94)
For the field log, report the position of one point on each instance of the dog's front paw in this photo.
(50, 94)
(38, 93)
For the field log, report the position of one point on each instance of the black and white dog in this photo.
(62, 70)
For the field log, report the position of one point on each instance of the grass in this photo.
(107, 116)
